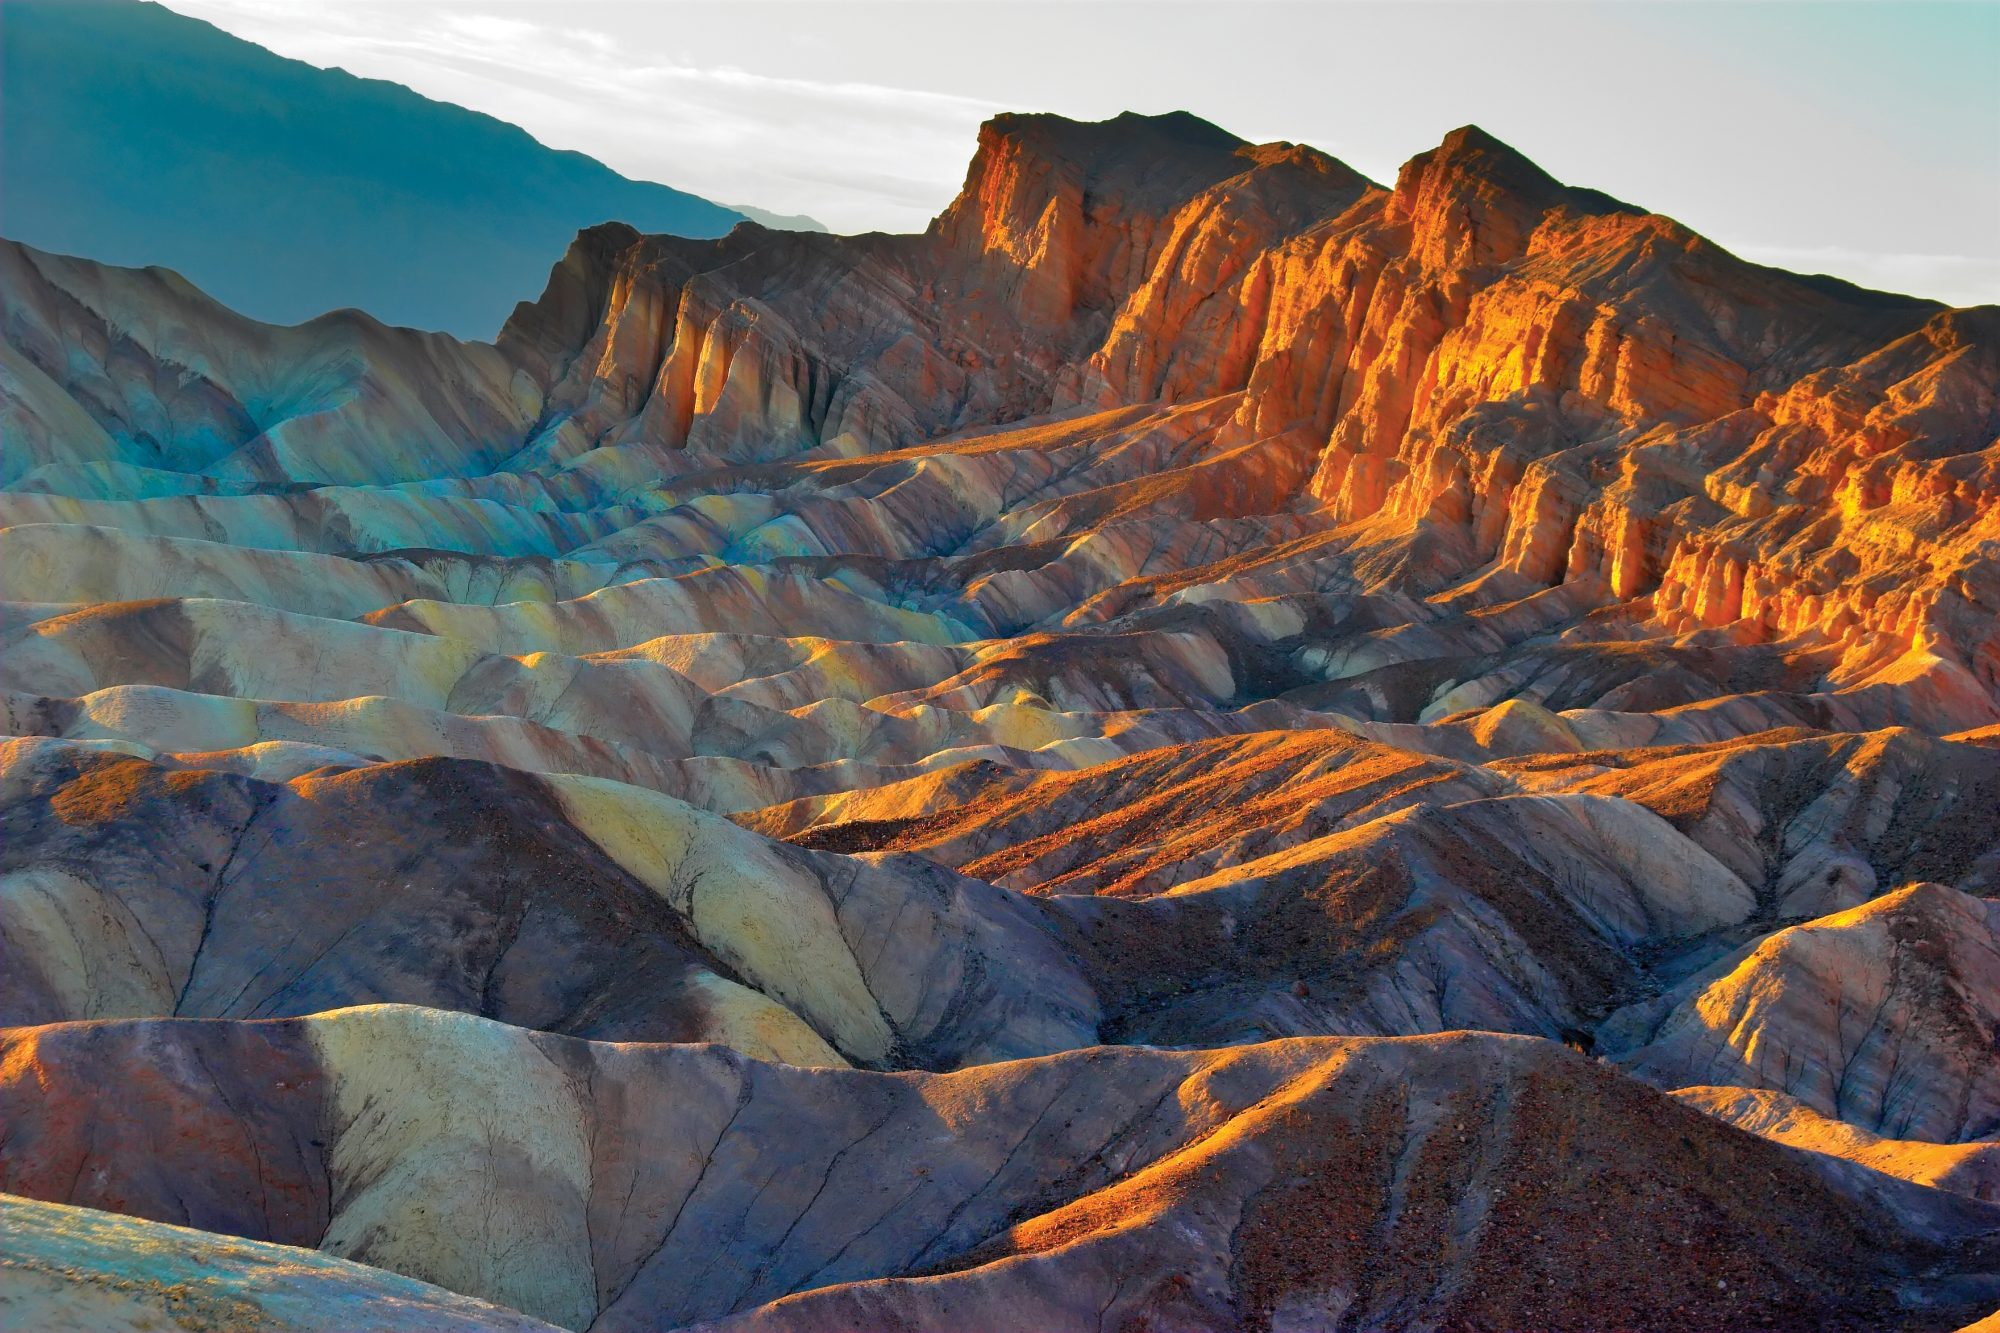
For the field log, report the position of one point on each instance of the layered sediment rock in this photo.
(1190, 596)
(1885, 1016)
(1447, 1180)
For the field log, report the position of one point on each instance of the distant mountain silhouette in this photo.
(780, 221)
(136, 135)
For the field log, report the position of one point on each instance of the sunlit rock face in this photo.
(963, 780)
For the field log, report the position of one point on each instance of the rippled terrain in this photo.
(1206, 744)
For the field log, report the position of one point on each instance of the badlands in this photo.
(1206, 744)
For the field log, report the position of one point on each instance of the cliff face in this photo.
(1095, 264)
(1535, 385)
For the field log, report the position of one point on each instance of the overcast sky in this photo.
(1857, 139)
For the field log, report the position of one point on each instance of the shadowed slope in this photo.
(1450, 1180)
(565, 902)
(1885, 1015)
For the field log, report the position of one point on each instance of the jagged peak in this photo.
(1135, 138)
(1173, 153)
(1472, 160)
(1475, 199)
(1164, 158)
(1026, 162)
(607, 236)
(542, 331)
(1184, 126)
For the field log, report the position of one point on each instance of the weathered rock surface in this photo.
(563, 903)
(78, 1268)
(1962, 1168)
(1817, 823)
(1886, 1015)
(1416, 1183)
(1190, 595)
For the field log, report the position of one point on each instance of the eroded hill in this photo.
(1191, 599)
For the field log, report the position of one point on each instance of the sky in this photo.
(1857, 139)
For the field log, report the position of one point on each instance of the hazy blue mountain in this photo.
(780, 221)
(135, 135)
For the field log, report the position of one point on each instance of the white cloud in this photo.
(492, 28)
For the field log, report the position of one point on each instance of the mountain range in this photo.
(1208, 743)
(140, 136)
